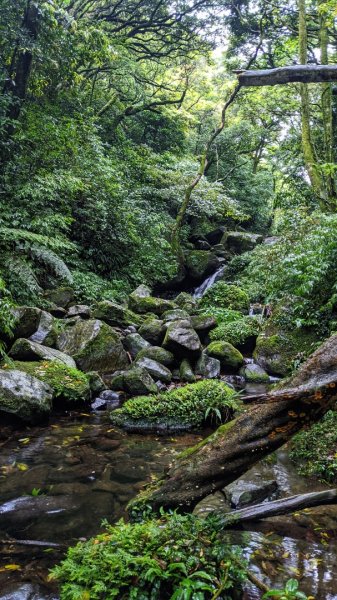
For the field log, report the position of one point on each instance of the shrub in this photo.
(174, 557)
(237, 332)
(222, 295)
(188, 405)
(7, 318)
(315, 450)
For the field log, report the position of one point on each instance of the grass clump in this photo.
(68, 383)
(225, 296)
(237, 332)
(174, 557)
(315, 450)
(189, 405)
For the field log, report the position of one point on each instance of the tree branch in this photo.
(282, 75)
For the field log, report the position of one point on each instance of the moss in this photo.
(67, 383)
(222, 295)
(188, 405)
(237, 333)
(116, 314)
(223, 429)
(226, 353)
(150, 304)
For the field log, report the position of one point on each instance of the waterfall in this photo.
(205, 285)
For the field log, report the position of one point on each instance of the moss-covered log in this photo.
(271, 421)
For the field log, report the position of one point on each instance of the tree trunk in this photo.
(235, 447)
(291, 74)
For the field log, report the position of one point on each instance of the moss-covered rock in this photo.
(186, 302)
(241, 333)
(175, 315)
(186, 372)
(228, 356)
(203, 324)
(254, 373)
(67, 383)
(153, 331)
(200, 263)
(157, 353)
(181, 408)
(141, 302)
(35, 324)
(182, 340)
(94, 345)
(134, 343)
(27, 350)
(137, 381)
(156, 369)
(24, 396)
(115, 314)
(62, 296)
(241, 241)
(208, 367)
(226, 296)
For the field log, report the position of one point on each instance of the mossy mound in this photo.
(222, 295)
(181, 408)
(226, 353)
(67, 383)
(176, 556)
(239, 333)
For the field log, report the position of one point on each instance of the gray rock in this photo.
(24, 396)
(157, 353)
(45, 333)
(215, 236)
(186, 372)
(96, 382)
(25, 591)
(94, 345)
(27, 319)
(228, 356)
(28, 350)
(254, 373)
(115, 314)
(80, 310)
(138, 382)
(153, 331)
(175, 315)
(186, 302)
(182, 340)
(241, 241)
(28, 508)
(107, 399)
(156, 370)
(62, 296)
(141, 301)
(203, 324)
(200, 263)
(243, 492)
(134, 343)
(208, 367)
(58, 312)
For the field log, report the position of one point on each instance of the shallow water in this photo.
(58, 482)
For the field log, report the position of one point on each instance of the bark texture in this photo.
(291, 74)
(270, 421)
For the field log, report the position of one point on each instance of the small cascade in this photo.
(205, 285)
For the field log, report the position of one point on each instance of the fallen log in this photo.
(291, 74)
(283, 506)
(235, 447)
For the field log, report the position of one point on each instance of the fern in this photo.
(52, 262)
(9, 235)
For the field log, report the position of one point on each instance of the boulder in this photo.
(34, 323)
(46, 332)
(175, 315)
(156, 370)
(228, 356)
(208, 367)
(94, 345)
(153, 331)
(134, 343)
(186, 302)
(31, 351)
(142, 303)
(157, 353)
(24, 396)
(203, 324)
(244, 491)
(241, 241)
(186, 372)
(182, 340)
(200, 263)
(202, 245)
(61, 296)
(138, 382)
(215, 236)
(57, 311)
(96, 382)
(115, 314)
(254, 373)
(80, 310)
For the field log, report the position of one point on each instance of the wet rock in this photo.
(96, 382)
(79, 310)
(182, 340)
(94, 345)
(208, 367)
(25, 591)
(28, 508)
(241, 241)
(203, 325)
(153, 331)
(106, 444)
(46, 331)
(228, 356)
(215, 236)
(68, 489)
(243, 492)
(142, 304)
(108, 399)
(200, 263)
(116, 381)
(57, 311)
(254, 373)
(27, 319)
(158, 354)
(115, 314)
(98, 404)
(24, 396)
(134, 343)
(156, 370)
(175, 315)
(131, 329)
(186, 302)
(30, 351)
(186, 373)
(61, 296)
(202, 245)
(138, 382)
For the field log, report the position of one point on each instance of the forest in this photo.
(168, 299)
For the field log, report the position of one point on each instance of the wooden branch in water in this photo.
(291, 74)
(282, 506)
(35, 543)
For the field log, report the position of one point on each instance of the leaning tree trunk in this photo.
(270, 422)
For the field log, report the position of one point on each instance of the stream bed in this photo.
(60, 481)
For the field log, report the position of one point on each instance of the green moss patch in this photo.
(184, 407)
(68, 384)
(225, 296)
(237, 333)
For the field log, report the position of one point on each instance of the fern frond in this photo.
(58, 244)
(52, 262)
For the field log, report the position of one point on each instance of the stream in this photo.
(59, 481)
